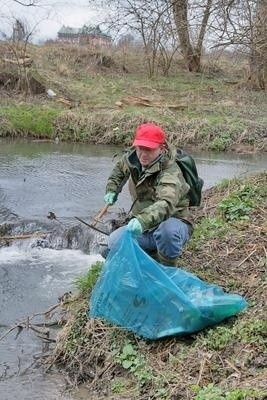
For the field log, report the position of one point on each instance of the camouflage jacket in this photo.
(158, 191)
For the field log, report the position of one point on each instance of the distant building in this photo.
(85, 35)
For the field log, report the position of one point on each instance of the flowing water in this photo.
(69, 180)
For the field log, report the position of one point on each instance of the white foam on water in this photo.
(53, 270)
(17, 253)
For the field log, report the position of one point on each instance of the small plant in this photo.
(209, 392)
(220, 143)
(86, 282)
(118, 386)
(219, 337)
(238, 205)
(209, 227)
(252, 331)
(134, 363)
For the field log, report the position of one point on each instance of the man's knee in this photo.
(171, 236)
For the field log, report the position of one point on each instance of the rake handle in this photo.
(100, 214)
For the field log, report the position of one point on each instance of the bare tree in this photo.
(242, 24)
(146, 21)
(185, 22)
(191, 49)
(17, 57)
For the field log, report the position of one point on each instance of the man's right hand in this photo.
(110, 198)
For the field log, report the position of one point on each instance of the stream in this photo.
(37, 178)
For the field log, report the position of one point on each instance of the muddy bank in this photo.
(225, 361)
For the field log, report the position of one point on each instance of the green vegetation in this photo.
(86, 282)
(76, 337)
(134, 363)
(118, 386)
(207, 229)
(253, 331)
(211, 392)
(240, 203)
(28, 119)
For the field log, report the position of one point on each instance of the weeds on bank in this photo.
(239, 202)
(253, 331)
(28, 120)
(77, 337)
(212, 392)
(86, 282)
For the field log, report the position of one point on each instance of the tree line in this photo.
(189, 27)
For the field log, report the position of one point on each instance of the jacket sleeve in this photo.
(170, 195)
(118, 176)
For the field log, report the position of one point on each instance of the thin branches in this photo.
(40, 329)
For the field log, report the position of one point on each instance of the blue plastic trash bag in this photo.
(137, 293)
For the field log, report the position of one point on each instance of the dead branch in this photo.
(40, 329)
(25, 62)
(142, 101)
(26, 236)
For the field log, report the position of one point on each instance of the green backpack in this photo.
(188, 167)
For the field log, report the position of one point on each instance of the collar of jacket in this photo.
(136, 169)
(134, 163)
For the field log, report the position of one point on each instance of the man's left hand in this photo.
(135, 227)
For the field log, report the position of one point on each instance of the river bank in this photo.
(222, 362)
(199, 126)
(212, 110)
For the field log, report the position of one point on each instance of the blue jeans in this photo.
(168, 238)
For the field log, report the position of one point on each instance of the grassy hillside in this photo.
(225, 362)
(103, 104)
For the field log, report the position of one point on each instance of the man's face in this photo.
(147, 155)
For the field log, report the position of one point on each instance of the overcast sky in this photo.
(49, 17)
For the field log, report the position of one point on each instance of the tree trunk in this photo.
(191, 56)
(191, 53)
(258, 55)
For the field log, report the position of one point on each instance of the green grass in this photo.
(28, 119)
(86, 282)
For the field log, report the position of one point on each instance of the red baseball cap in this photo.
(149, 135)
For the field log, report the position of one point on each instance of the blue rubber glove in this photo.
(135, 227)
(110, 198)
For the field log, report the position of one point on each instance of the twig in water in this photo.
(39, 329)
